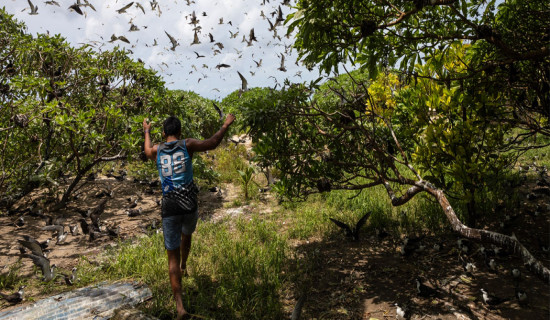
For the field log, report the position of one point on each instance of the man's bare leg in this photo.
(175, 281)
(185, 247)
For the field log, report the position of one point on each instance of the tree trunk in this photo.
(499, 239)
(79, 175)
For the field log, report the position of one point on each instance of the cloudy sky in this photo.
(181, 69)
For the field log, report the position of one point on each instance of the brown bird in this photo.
(14, 297)
(251, 36)
(222, 65)
(34, 9)
(244, 83)
(121, 38)
(138, 5)
(195, 39)
(123, 9)
(76, 8)
(194, 20)
(282, 67)
(173, 41)
(97, 212)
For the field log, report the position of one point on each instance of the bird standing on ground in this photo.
(401, 313)
(97, 212)
(492, 300)
(70, 279)
(133, 212)
(15, 297)
(59, 231)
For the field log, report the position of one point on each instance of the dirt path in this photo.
(67, 254)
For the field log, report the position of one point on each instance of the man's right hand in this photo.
(229, 120)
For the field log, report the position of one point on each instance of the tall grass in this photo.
(235, 273)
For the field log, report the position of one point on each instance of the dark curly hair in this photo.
(172, 126)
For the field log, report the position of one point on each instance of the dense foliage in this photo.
(508, 48)
(65, 110)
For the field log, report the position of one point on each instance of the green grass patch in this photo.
(234, 273)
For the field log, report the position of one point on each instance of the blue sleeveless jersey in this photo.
(175, 166)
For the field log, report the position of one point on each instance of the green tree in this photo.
(509, 52)
(65, 109)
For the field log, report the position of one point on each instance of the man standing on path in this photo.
(179, 194)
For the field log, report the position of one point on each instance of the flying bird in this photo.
(123, 9)
(34, 9)
(258, 64)
(43, 263)
(251, 36)
(195, 39)
(121, 38)
(198, 55)
(219, 44)
(220, 112)
(34, 246)
(172, 40)
(244, 83)
(76, 8)
(133, 27)
(222, 65)
(87, 4)
(352, 232)
(211, 37)
(138, 5)
(280, 15)
(194, 20)
(52, 3)
(282, 67)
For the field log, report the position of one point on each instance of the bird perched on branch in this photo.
(352, 232)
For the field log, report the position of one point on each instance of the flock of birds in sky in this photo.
(218, 48)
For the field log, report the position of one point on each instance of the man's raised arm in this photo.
(150, 150)
(194, 145)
